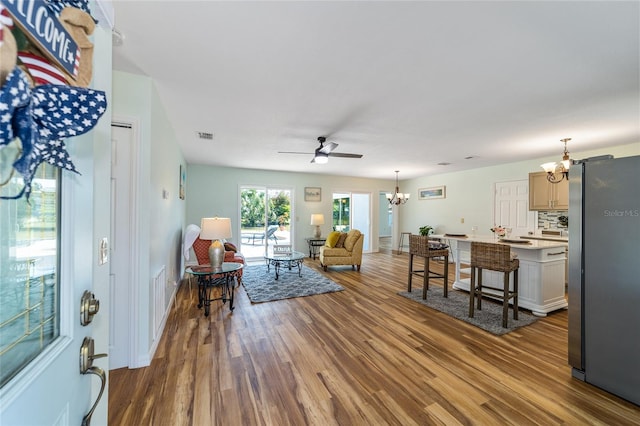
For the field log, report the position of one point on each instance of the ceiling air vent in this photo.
(205, 135)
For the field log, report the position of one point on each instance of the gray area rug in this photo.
(457, 306)
(261, 285)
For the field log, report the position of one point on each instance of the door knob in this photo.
(86, 367)
(87, 355)
(89, 306)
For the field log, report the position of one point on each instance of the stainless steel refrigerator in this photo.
(604, 274)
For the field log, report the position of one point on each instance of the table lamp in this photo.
(317, 219)
(215, 229)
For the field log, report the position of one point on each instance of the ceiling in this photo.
(407, 84)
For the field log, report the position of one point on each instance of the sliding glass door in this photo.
(265, 219)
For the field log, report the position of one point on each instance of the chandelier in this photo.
(556, 172)
(398, 197)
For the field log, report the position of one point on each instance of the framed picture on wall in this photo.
(183, 181)
(312, 193)
(432, 193)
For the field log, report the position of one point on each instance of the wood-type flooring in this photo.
(362, 356)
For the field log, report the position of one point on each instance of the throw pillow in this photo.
(340, 243)
(352, 237)
(230, 247)
(332, 239)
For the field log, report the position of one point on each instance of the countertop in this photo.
(545, 238)
(534, 244)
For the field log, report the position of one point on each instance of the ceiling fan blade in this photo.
(343, 155)
(330, 146)
(295, 152)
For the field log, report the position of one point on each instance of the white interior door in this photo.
(512, 207)
(120, 281)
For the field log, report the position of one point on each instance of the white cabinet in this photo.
(544, 195)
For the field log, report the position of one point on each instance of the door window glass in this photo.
(29, 271)
(341, 212)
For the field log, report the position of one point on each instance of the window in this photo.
(29, 271)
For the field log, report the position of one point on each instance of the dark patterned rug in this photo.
(457, 306)
(261, 285)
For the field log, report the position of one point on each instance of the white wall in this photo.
(167, 214)
(470, 194)
(214, 191)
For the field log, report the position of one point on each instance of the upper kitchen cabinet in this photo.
(544, 195)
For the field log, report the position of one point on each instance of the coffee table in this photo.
(290, 261)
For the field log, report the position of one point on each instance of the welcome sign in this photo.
(43, 28)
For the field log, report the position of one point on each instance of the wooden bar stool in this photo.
(401, 241)
(419, 246)
(494, 257)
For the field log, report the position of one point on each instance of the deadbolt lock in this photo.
(89, 306)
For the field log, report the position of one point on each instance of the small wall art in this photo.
(183, 181)
(432, 193)
(312, 193)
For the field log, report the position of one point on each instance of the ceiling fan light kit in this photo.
(324, 151)
(320, 158)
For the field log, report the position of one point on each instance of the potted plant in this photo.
(426, 230)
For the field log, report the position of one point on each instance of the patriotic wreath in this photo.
(38, 109)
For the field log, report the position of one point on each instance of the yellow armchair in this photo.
(350, 253)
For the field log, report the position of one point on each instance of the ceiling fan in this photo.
(324, 151)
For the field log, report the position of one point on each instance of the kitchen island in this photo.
(541, 283)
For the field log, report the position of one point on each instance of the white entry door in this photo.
(50, 389)
(63, 260)
(512, 207)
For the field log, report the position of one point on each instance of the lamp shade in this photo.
(317, 219)
(215, 228)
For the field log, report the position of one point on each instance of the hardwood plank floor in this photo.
(363, 356)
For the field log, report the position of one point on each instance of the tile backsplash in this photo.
(551, 218)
